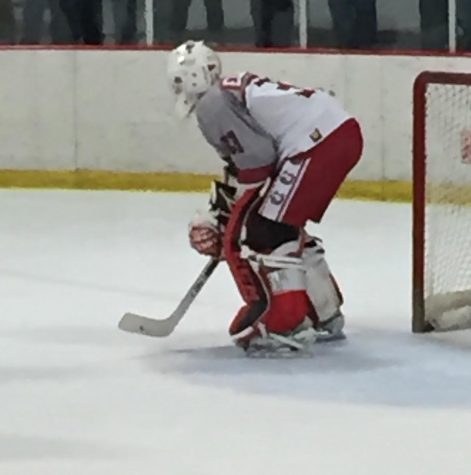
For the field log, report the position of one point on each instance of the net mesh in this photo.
(447, 268)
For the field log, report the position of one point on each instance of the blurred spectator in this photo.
(7, 22)
(355, 23)
(274, 22)
(33, 22)
(162, 15)
(125, 21)
(85, 19)
(434, 23)
(464, 24)
(214, 19)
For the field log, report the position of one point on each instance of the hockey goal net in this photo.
(442, 202)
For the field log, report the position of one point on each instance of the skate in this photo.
(284, 345)
(331, 329)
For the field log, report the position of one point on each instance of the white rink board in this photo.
(111, 110)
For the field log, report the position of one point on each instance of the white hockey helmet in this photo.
(192, 69)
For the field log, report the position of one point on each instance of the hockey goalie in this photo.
(285, 151)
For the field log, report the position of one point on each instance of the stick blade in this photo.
(134, 323)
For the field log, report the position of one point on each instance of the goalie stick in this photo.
(133, 323)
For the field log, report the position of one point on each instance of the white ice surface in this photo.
(77, 396)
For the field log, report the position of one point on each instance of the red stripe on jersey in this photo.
(253, 175)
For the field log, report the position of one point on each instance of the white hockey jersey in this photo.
(256, 122)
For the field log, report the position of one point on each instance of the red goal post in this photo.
(441, 202)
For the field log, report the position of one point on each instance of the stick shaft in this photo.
(195, 289)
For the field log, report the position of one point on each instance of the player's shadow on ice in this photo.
(373, 367)
(28, 448)
(32, 374)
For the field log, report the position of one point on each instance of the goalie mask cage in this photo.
(442, 202)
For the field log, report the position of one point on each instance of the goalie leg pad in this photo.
(250, 287)
(322, 289)
(280, 315)
(284, 274)
(272, 284)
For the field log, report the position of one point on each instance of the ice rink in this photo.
(79, 397)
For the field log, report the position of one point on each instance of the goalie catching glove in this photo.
(206, 230)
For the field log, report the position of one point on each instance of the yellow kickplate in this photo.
(397, 191)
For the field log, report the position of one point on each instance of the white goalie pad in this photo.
(320, 286)
(284, 271)
(309, 272)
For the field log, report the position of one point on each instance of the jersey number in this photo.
(231, 141)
